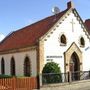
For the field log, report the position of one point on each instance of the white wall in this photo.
(19, 62)
(86, 60)
(52, 46)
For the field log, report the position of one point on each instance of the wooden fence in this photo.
(27, 83)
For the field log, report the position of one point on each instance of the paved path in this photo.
(85, 85)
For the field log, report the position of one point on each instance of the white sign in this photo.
(53, 56)
(87, 48)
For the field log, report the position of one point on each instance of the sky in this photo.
(16, 14)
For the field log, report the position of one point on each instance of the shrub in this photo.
(5, 76)
(51, 73)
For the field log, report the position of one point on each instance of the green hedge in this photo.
(51, 73)
(9, 76)
(5, 76)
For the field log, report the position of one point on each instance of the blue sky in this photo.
(16, 14)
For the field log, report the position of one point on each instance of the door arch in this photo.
(74, 66)
(72, 51)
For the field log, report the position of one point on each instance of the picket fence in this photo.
(27, 83)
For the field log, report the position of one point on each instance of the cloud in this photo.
(1, 36)
(28, 22)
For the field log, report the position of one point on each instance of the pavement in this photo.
(81, 85)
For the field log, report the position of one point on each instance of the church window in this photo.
(2, 66)
(12, 66)
(82, 42)
(27, 67)
(63, 40)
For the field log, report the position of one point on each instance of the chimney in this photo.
(70, 5)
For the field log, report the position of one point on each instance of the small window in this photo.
(62, 40)
(27, 69)
(12, 66)
(2, 66)
(82, 42)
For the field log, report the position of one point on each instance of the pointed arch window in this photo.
(2, 66)
(12, 66)
(63, 40)
(27, 67)
(82, 42)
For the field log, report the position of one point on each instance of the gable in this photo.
(66, 22)
(83, 26)
(73, 47)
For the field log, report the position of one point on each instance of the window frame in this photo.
(82, 42)
(63, 40)
(13, 66)
(27, 70)
(2, 66)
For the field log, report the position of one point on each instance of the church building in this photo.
(62, 38)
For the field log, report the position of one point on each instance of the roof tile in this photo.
(87, 24)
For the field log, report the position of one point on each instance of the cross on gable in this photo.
(72, 22)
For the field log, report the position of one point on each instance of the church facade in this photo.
(62, 38)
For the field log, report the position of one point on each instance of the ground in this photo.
(82, 85)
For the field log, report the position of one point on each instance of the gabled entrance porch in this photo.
(73, 61)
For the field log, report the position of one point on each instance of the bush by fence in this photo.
(51, 73)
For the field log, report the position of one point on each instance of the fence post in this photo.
(89, 73)
(40, 80)
(14, 83)
(69, 77)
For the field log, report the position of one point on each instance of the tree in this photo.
(51, 73)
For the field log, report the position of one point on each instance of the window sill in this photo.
(62, 44)
(82, 46)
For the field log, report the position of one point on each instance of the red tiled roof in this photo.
(87, 24)
(29, 35)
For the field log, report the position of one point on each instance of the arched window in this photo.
(2, 66)
(12, 66)
(63, 39)
(82, 42)
(27, 67)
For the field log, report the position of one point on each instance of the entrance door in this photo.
(74, 66)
